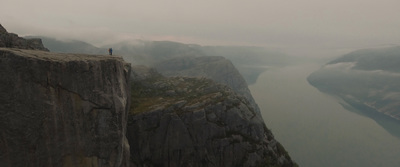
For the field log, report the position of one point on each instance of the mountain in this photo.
(385, 59)
(180, 121)
(368, 80)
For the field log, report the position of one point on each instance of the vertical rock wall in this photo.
(63, 110)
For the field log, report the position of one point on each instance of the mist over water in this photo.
(314, 128)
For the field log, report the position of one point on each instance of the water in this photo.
(315, 129)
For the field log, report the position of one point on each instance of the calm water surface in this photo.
(315, 129)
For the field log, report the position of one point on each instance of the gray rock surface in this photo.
(183, 121)
(63, 109)
(10, 40)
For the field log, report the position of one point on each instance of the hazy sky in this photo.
(290, 24)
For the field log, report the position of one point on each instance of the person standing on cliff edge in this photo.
(110, 51)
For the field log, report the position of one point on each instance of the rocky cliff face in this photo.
(62, 110)
(10, 40)
(183, 121)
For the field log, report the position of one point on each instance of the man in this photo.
(110, 51)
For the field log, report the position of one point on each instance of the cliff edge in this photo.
(63, 109)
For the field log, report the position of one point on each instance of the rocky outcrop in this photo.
(63, 109)
(10, 40)
(183, 121)
(216, 68)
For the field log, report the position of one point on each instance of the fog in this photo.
(298, 27)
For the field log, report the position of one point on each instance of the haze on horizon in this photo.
(304, 27)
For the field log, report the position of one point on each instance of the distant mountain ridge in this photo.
(368, 80)
(386, 59)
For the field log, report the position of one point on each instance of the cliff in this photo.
(10, 40)
(182, 121)
(63, 109)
